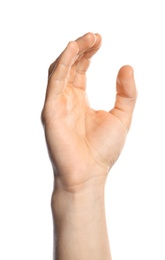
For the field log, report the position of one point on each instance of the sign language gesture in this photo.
(83, 144)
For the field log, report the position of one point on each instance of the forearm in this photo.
(80, 231)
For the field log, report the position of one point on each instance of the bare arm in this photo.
(83, 145)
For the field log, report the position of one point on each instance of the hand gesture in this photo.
(83, 144)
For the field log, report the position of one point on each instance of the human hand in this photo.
(83, 144)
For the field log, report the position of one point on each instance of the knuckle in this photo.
(52, 67)
(43, 116)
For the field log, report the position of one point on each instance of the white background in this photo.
(32, 35)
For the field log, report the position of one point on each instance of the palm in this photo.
(82, 143)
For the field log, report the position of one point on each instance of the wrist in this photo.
(86, 194)
(93, 184)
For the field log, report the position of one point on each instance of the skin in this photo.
(83, 144)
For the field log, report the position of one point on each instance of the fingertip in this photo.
(91, 37)
(126, 72)
(125, 82)
(99, 37)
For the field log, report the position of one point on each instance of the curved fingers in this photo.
(83, 62)
(70, 62)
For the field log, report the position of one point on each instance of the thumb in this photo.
(125, 97)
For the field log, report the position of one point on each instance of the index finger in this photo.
(58, 75)
(84, 43)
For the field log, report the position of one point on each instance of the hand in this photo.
(83, 144)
